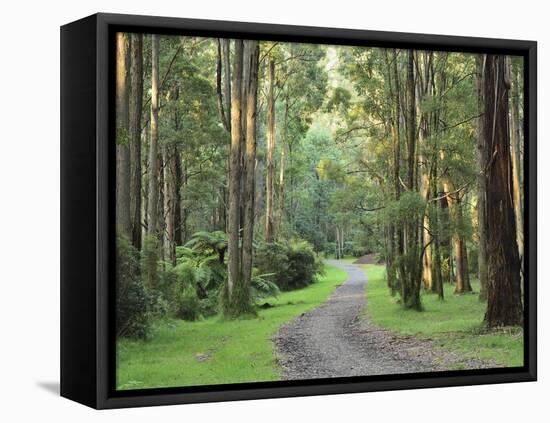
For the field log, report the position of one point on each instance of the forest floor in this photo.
(215, 350)
(341, 338)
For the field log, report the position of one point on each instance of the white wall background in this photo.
(29, 231)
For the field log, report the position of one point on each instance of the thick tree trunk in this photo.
(504, 307)
(123, 210)
(269, 230)
(136, 105)
(153, 148)
(251, 90)
(411, 261)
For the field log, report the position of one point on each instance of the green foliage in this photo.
(409, 208)
(149, 261)
(206, 244)
(292, 264)
(262, 287)
(214, 350)
(133, 303)
(186, 302)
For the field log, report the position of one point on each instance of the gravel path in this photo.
(337, 340)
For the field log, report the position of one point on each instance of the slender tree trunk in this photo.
(396, 231)
(136, 105)
(269, 230)
(234, 255)
(153, 148)
(481, 186)
(461, 254)
(170, 199)
(253, 49)
(224, 108)
(515, 137)
(161, 222)
(226, 65)
(123, 210)
(504, 306)
(178, 232)
(337, 242)
(282, 172)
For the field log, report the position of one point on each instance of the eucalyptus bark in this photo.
(281, 210)
(123, 211)
(170, 199)
(224, 109)
(269, 230)
(504, 305)
(233, 252)
(411, 260)
(153, 196)
(251, 90)
(136, 106)
(481, 185)
(515, 137)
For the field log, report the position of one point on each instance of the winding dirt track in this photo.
(337, 340)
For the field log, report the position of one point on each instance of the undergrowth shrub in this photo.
(133, 302)
(292, 264)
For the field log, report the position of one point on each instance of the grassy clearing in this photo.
(217, 351)
(454, 324)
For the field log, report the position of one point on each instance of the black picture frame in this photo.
(87, 210)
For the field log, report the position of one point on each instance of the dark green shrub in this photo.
(186, 301)
(293, 264)
(133, 302)
(149, 262)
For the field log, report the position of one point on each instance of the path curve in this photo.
(337, 340)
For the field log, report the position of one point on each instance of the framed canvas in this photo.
(258, 211)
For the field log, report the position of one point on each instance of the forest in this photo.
(254, 179)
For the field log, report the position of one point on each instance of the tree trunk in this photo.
(123, 210)
(170, 198)
(504, 307)
(269, 230)
(136, 105)
(226, 65)
(178, 232)
(224, 108)
(515, 138)
(251, 90)
(481, 186)
(411, 260)
(234, 172)
(153, 148)
(282, 172)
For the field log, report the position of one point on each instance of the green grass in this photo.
(454, 324)
(214, 350)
